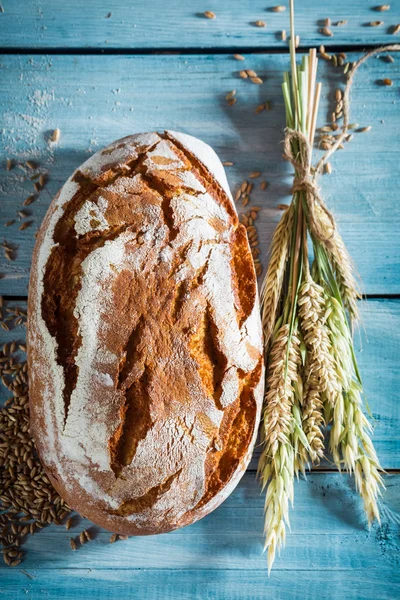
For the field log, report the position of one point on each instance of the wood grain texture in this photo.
(221, 556)
(96, 99)
(378, 353)
(194, 584)
(181, 24)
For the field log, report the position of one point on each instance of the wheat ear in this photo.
(271, 288)
(276, 464)
(350, 441)
(342, 266)
(320, 375)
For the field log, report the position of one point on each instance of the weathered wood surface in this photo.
(181, 24)
(96, 99)
(196, 584)
(220, 556)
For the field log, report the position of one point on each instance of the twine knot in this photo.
(320, 219)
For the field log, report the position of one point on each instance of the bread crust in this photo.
(144, 337)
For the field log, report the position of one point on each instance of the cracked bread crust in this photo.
(144, 337)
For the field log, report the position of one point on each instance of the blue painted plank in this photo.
(74, 24)
(378, 352)
(96, 99)
(193, 584)
(328, 532)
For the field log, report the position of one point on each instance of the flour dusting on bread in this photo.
(146, 363)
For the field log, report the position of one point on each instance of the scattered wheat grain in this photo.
(25, 225)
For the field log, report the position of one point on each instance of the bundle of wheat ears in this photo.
(308, 312)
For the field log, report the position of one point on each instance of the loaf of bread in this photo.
(144, 337)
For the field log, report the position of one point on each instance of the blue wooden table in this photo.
(100, 70)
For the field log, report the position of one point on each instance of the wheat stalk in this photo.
(271, 288)
(312, 374)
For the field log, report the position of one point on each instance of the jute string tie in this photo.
(305, 180)
(321, 220)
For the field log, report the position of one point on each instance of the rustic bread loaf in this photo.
(144, 337)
